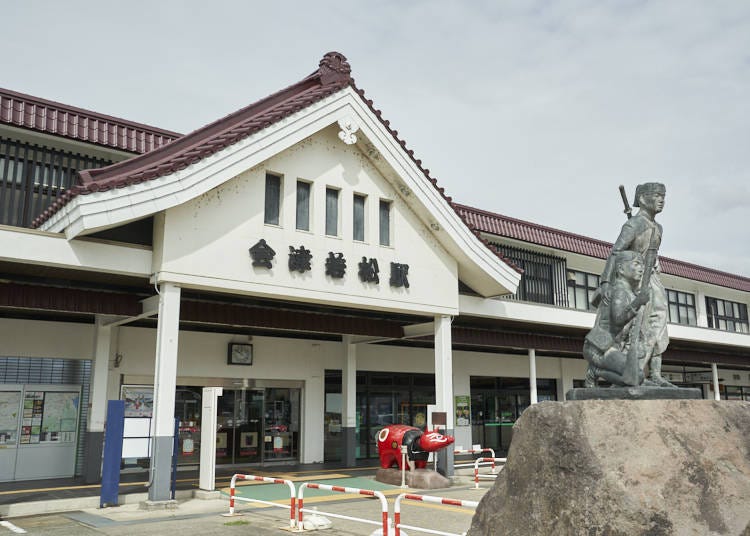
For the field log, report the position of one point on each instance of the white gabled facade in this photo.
(226, 221)
(478, 266)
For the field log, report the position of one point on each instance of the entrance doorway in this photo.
(258, 425)
(382, 398)
(496, 404)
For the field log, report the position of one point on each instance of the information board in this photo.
(10, 406)
(59, 417)
(33, 409)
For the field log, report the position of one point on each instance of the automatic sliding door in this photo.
(281, 437)
(258, 425)
(249, 426)
(240, 423)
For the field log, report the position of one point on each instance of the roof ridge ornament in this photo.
(334, 68)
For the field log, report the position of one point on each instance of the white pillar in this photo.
(349, 401)
(207, 472)
(98, 400)
(444, 368)
(444, 385)
(532, 376)
(701, 312)
(165, 385)
(715, 378)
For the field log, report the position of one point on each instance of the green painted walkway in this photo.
(280, 492)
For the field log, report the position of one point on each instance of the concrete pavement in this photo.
(200, 516)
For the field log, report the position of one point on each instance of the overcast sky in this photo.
(536, 110)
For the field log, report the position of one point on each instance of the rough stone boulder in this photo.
(624, 468)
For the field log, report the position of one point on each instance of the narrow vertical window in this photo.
(273, 199)
(359, 218)
(303, 206)
(332, 212)
(385, 223)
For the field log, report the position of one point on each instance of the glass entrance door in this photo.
(240, 426)
(281, 424)
(496, 404)
(257, 425)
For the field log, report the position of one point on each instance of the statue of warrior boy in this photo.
(630, 331)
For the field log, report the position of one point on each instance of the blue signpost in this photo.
(113, 433)
(113, 439)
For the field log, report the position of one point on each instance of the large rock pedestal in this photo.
(624, 468)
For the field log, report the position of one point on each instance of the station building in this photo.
(299, 255)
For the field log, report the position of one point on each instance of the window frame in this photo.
(332, 212)
(673, 300)
(385, 233)
(359, 226)
(33, 177)
(716, 318)
(275, 204)
(573, 286)
(307, 205)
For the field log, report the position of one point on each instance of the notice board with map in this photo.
(38, 430)
(49, 417)
(10, 408)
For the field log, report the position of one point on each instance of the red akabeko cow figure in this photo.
(419, 444)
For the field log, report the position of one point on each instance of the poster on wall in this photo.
(33, 408)
(463, 410)
(59, 417)
(139, 400)
(248, 443)
(221, 444)
(10, 405)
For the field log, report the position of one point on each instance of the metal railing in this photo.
(492, 474)
(267, 480)
(428, 499)
(364, 492)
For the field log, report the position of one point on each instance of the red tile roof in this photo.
(33, 113)
(533, 233)
(332, 75)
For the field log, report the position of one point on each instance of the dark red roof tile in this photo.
(33, 113)
(533, 233)
(213, 137)
(333, 74)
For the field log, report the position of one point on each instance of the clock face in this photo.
(241, 354)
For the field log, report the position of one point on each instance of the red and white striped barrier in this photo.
(340, 489)
(268, 480)
(427, 499)
(474, 451)
(485, 460)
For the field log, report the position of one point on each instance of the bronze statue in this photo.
(607, 347)
(639, 341)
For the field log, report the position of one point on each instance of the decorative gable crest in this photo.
(334, 68)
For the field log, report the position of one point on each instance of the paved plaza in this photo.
(204, 516)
